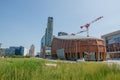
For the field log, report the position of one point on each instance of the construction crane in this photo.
(88, 25)
(78, 32)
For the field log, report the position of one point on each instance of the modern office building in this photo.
(32, 51)
(25, 51)
(2, 51)
(16, 51)
(62, 33)
(46, 34)
(10, 51)
(112, 41)
(73, 47)
(46, 40)
(49, 32)
(42, 42)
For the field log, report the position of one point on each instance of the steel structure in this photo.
(87, 26)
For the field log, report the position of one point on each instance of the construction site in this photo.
(73, 46)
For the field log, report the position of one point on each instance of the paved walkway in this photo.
(110, 62)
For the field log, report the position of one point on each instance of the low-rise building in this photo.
(73, 47)
(112, 41)
(62, 33)
(16, 51)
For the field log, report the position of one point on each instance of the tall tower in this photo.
(42, 41)
(49, 32)
(32, 50)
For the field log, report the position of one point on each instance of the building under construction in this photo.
(73, 47)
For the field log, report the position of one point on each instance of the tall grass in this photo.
(35, 69)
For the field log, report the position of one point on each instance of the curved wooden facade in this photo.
(88, 48)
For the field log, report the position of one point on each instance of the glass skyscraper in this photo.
(49, 32)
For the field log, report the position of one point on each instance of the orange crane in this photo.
(87, 26)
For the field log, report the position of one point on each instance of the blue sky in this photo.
(23, 22)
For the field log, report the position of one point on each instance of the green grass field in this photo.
(35, 69)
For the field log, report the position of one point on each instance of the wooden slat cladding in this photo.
(80, 48)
